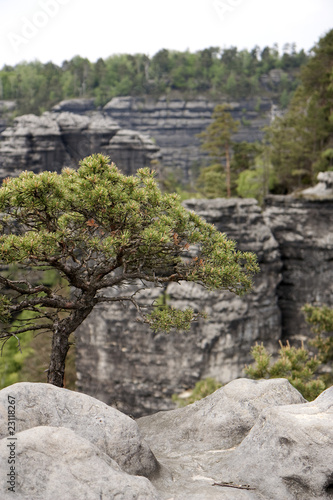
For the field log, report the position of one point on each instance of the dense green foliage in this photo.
(12, 363)
(36, 87)
(100, 229)
(321, 321)
(294, 364)
(297, 145)
(257, 180)
(201, 389)
(301, 141)
(30, 362)
(216, 141)
(238, 168)
(309, 374)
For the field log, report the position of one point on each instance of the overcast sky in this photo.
(56, 30)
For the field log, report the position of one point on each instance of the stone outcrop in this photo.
(254, 440)
(80, 106)
(229, 413)
(121, 362)
(56, 463)
(303, 230)
(322, 190)
(112, 432)
(58, 139)
(175, 123)
(250, 440)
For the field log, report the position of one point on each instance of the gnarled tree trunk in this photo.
(59, 350)
(60, 344)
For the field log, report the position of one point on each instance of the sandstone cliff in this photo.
(58, 139)
(175, 123)
(75, 129)
(303, 230)
(121, 362)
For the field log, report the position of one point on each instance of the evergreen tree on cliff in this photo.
(216, 140)
(101, 230)
(302, 140)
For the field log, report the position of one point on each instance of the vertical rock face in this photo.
(62, 138)
(303, 230)
(174, 124)
(75, 129)
(121, 362)
(6, 108)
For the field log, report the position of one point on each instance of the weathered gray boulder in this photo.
(256, 442)
(288, 453)
(112, 432)
(219, 421)
(250, 440)
(56, 463)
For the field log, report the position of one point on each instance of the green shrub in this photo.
(297, 365)
(321, 321)
(201, 389)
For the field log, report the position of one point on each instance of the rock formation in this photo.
(174, 124)
(71, 446)
(58, 139)
(122, 363)
(250, 440)
(303, 230)
(254, 440)
(322, 190)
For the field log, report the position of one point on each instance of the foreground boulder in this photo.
(56, 463)
(221, 420)
(289, 452)
(254, 440)
(108, 429)
(250, 440)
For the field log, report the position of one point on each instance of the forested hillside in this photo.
(280, 159)
(214, 72)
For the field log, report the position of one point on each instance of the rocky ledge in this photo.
(250, 440)
(120, 361)
(60, 139)
(174, 124)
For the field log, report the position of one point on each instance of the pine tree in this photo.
(216, 139)
(302, 139)
(295, 364)
(100, 230)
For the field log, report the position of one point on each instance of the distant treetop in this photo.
(36, 87)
